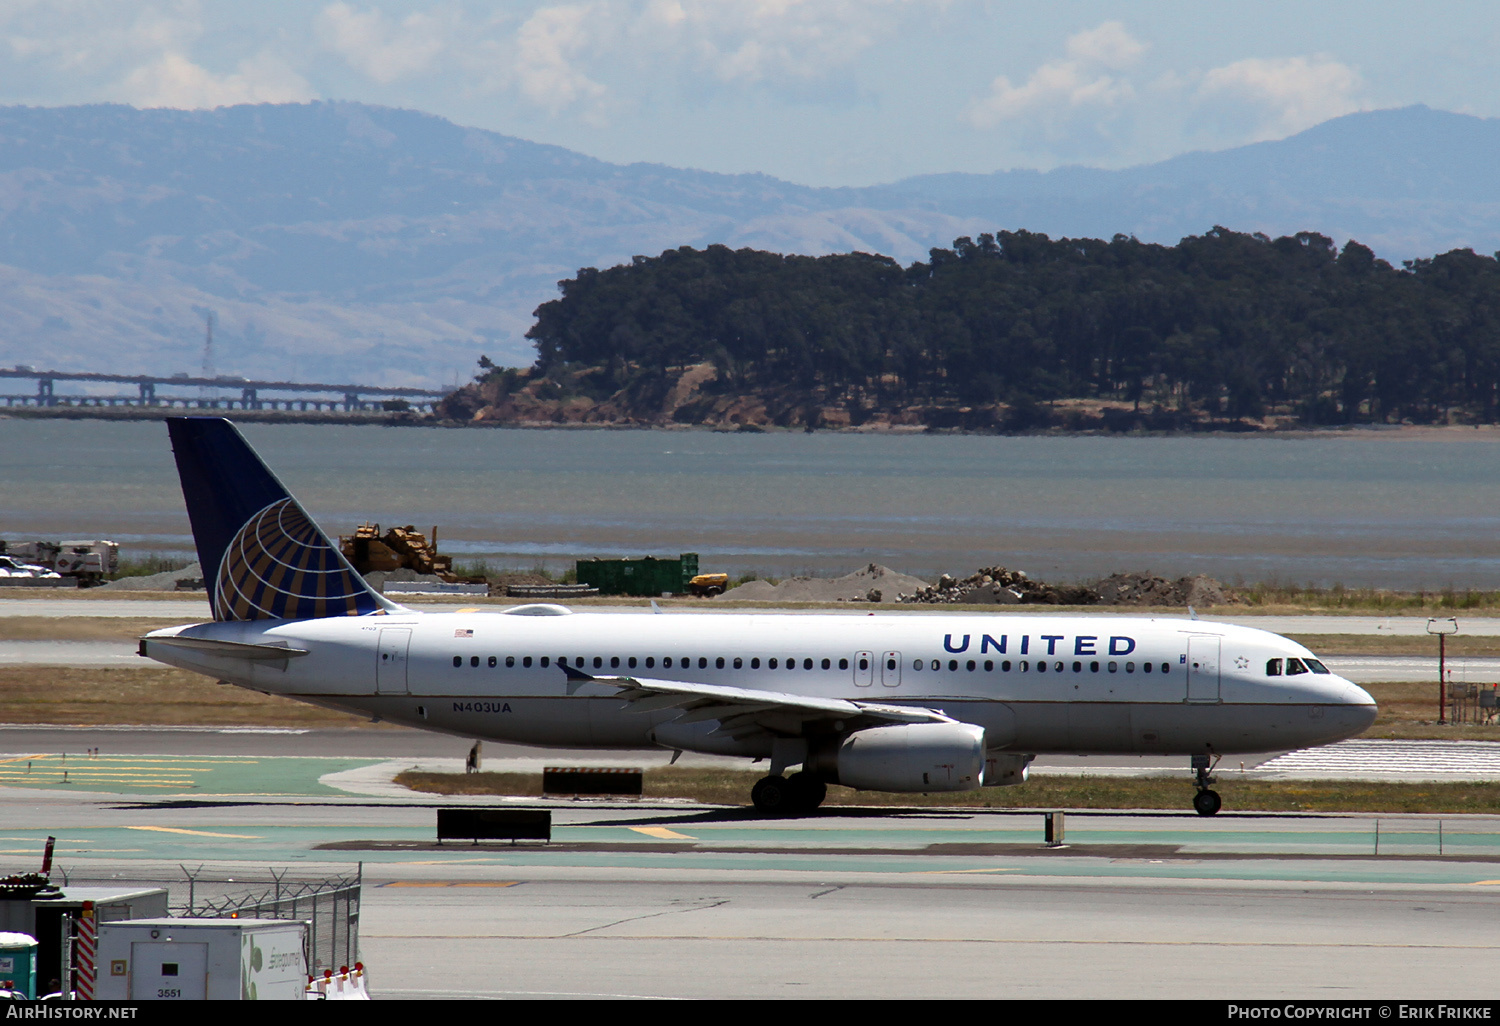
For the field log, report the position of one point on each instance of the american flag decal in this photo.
(463, 632)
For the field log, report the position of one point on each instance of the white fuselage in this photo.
(1036, 684)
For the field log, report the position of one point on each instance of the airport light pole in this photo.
(1442, 628)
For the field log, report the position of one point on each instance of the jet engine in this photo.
(1002, 769)
(907, 757)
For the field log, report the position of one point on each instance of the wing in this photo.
(743, 712)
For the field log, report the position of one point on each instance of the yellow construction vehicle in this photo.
(369, 550)
(708, 585)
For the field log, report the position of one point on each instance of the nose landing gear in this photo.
(1207, 801)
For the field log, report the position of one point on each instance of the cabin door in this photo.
(390, 668)
(1203, 669)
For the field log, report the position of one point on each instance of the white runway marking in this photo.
(1389, 760)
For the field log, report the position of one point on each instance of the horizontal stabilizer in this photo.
(231, 649)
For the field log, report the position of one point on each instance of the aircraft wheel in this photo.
(773, 796)
(807, 790)
(1207, 802)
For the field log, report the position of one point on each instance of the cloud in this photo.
(172, 80)
(1276, 97)
(379, 48)
(1059, 91)
(550, 46)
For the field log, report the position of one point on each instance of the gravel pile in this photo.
(1000, 586)
(165, 581)
(874, 583)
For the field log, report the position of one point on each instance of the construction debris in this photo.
(1000, 586)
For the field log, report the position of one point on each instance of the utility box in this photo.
(18, 963)
(201, 960)
(644, 578)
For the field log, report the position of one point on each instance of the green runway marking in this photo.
(165, 774)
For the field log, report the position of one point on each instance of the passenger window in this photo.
(970, 666)
(719, 663)
(843, 664)
(989, 666)
(1294, 667)
(738, 662)
(771, 663)
(1025, 665)
(916, 664)
(599, 661)
(1113, 667)
(650, 662)
(473, 660)
(630, 662)
(807, 664)
(1005, 666)
(755, 663)
(827, 664)
(458, 660)
(510, 661)
(1058, 666)
(494, 661)
(1093, 667)
(1273, 667)
(936, 665)
(1317, 667)
(526, 662)
(952, 664)
(1130, 667)
(703, 662)
(791, 664)
(1041, 666)
(1077, 666)
(1166, 667)
(1145, 667)
(544, 661)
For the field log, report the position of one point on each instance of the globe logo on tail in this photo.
(280, 567)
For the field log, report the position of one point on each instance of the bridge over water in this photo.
(243, 393)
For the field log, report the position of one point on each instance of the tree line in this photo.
(1226, 323)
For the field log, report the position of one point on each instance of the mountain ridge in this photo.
(338, 239)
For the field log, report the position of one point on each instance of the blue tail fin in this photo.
(263, 558)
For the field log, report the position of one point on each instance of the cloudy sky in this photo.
(824, 92)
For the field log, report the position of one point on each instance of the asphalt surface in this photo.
(635, 900)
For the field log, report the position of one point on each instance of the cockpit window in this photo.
(1316, 666)
(1273, 667)
(1294, 666)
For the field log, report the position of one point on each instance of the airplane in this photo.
(900, 703)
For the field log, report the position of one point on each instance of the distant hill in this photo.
(344, 241)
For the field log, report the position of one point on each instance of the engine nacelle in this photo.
(1002, 769)
(912, 757)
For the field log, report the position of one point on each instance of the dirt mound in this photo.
(874, 583)
(1149, 590)
(164, 581)
(1000, 586)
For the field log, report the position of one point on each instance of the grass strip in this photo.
(732, 787)
(159, 696)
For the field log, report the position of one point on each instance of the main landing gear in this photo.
(1206, 802)
(788, 796)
